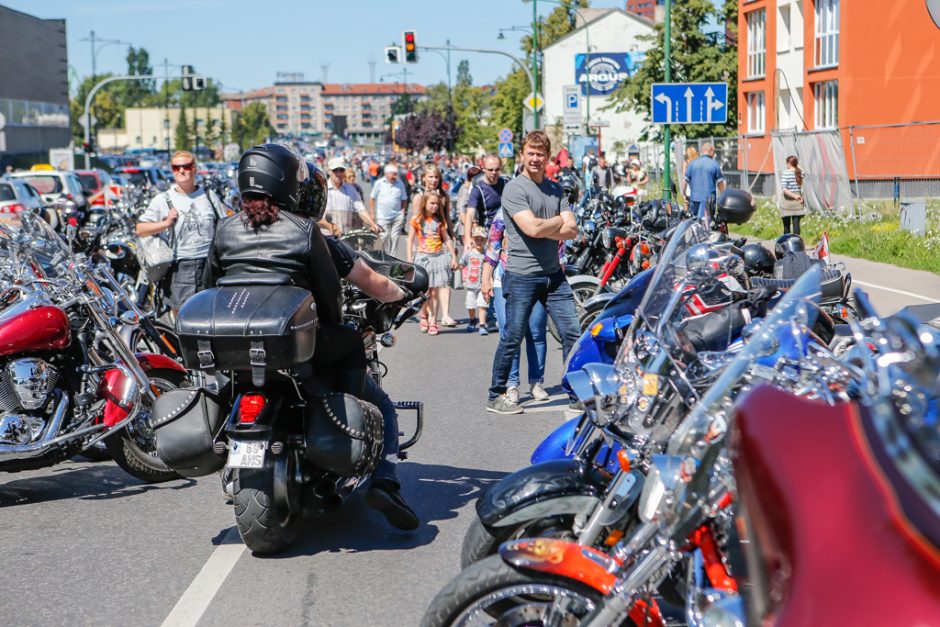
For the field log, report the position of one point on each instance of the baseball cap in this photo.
(478, 231)
(335, 163)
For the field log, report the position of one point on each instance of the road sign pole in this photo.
(535, 57)
(667, 134)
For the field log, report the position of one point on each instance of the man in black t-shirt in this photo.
(385, 490)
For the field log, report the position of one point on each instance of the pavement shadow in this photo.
(435, 492)
(84, 481)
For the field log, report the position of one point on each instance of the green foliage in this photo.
(879, 238)
(403, 104)
(183, 136)
(252, 126)
(133, 93)
(696, 57)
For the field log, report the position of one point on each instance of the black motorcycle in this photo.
(287, 438)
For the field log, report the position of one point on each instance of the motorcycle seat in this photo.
(835, 285)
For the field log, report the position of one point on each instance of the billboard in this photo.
(600, 73)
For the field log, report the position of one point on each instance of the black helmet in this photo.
(570, 186)
(789, 243)
(274, 171)
(758, 260)
(313, 193)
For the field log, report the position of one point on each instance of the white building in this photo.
(613, 38)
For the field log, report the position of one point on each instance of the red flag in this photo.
(822, 249)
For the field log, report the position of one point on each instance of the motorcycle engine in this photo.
(25, 385)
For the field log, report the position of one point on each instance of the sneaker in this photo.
(492, 327)
(483, 331)
(386, 497)
(471, 327)
(574, 405)
(538, 392)
(512, 394)
(502, 405)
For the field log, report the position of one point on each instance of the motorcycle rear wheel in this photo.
(265, 526)
(493, 592)
(133, 447)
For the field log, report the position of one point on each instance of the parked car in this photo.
(145, 176)
(98, 183)
(17, 196)
(56, 186)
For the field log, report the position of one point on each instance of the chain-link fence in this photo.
(894, 161)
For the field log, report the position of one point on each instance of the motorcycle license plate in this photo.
(246, 454)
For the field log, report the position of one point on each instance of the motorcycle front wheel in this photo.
(133, 448)
(492, 592)
(481, 542)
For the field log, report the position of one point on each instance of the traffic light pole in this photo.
(91, 96)
(667, 133)
(514, 58)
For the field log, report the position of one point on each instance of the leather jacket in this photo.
(290, 251)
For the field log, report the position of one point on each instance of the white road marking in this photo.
(194, 602)
(896, 291)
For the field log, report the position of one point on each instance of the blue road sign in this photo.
(505, 135)
(505, 149)
(690, 103)
(573, 100)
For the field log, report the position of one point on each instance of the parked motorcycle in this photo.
(288, 438)
(70, 379)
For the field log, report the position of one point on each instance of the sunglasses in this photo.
(183, 166)
(338, 170)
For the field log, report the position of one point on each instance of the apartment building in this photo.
(832, 64)
(359, 111)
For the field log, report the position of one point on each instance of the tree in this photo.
(463, 74)
(424, 130)
(252, 126)
(697, 56)
(106, 107)
(135, 93)
(182, 136)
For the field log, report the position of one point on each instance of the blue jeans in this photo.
(387, 468)
(698, 207)
(521, 293)
(535, 344)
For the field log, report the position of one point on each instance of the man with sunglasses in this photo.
(185, 215)
(486, 197)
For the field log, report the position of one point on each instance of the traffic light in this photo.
(199, 83)
(88, 148)
(411, 48)
(392, 54)
(192, 81)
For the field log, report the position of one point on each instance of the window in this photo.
(755, 112)
(827, 104)
(783, 29)
(827, 33)
(756, 43)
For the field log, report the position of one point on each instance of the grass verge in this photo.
(877, 237)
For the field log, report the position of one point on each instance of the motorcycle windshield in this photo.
(792, 316)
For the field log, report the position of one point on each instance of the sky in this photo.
(243, 44)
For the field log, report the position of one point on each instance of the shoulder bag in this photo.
(155, 255)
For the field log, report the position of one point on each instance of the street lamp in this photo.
(535, 67)
(513, 28)
(96, 49)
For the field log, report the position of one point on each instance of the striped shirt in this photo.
(788, 181)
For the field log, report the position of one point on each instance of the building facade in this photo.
(34, 86)
(596, 57)
(358, 111)
(155, 127)
(650, 9)
(835, 64)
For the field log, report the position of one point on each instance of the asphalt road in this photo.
(85, 544)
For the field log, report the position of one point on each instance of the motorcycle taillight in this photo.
(250, 407)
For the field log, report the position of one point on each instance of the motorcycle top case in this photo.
(735, 206)
(248, 327)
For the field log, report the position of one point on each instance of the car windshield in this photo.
(6, 192)
(45, 184)
(89, 182)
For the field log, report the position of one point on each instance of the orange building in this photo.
(846, 64)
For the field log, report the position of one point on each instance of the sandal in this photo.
(423, 323)
(433, 329)
(448, 322)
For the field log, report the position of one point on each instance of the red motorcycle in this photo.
(69, 378)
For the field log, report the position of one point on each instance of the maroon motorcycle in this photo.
(68, 379)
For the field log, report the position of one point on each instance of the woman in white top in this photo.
(791, 205)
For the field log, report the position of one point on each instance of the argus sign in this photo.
(601, 73)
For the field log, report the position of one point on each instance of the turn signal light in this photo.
(250, 407)
(644, 248)
(624, 460)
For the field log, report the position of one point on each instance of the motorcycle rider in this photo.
(282, 199)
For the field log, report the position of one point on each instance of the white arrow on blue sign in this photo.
(505, 149)
(505, 135)
(689, 103)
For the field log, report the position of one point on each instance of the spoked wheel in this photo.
(493, 593)
(269, 504)
(134, 447)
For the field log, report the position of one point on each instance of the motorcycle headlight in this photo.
(667, 475)
(605, 238)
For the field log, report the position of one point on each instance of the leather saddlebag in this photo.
(344, 435)
(185, 423)
(248, 327)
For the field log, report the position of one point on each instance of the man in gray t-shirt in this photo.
(538, 217)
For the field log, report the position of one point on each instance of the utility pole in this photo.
(166, 105)
(94, 72)
(667, 134)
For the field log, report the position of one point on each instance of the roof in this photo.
(264, 92)
(602, 16)
(368, 89)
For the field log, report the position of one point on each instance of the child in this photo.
(472, 264)
(430, 230)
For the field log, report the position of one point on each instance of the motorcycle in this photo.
(70, 378)
(286, 438)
